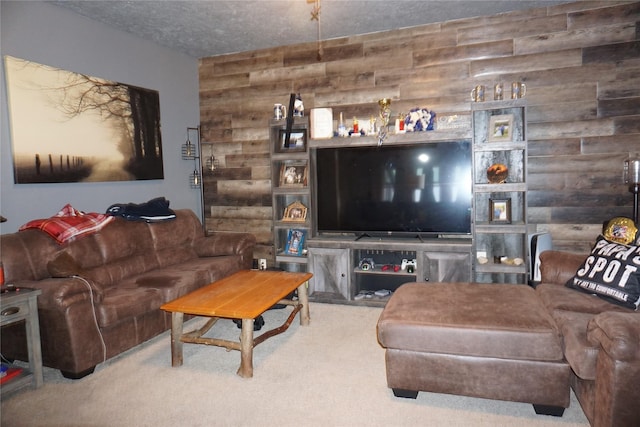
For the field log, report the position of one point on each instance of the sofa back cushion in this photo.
(126, 248)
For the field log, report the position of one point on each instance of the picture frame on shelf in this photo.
(295, 212)
(297, 140)
(500, 128)
(500, 211)
(295, 242)
(293, 175)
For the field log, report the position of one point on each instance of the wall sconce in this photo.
(211, 163)
(191, 151)
(631, 175)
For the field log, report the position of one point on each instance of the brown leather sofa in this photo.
(453, 338)
(601, 343)
(101, 294)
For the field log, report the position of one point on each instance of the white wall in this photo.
(53, 36)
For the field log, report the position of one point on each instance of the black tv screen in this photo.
(421, 190)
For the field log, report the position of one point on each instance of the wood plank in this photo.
(625, 143)
(553, 147)
(576, 38)
(288, 73)
(513, 29)
(623, 84)
(563, 112)
(627, 124)
(242, 212)
(573, 129)
(619, 107)
(493, 50)
(616, 14)
(611, 53)
(527, 63)
(583, 198)
(309, 55)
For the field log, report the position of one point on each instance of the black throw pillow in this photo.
(611, 272)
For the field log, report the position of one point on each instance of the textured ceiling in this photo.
(214, 27)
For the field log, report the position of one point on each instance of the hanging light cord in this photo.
(315, 16)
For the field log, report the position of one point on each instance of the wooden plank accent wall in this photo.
(580, 62)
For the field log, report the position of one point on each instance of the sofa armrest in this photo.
(617, 333)
(559, 266)
(70, 338)
(58, 292)
(219, 243)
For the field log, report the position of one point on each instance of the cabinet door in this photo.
(330, 269)
(447, 267)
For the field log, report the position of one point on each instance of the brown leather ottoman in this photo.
(493, 341)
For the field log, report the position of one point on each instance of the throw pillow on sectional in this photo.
(612, 272)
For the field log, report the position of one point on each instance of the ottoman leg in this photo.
(409, 394)
(554, 411)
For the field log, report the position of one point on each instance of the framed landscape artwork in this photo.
(71, 127)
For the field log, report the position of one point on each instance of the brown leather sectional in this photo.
(101, 294)
(516, 343)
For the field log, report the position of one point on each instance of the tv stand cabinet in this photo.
(350, 271)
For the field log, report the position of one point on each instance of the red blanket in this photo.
(69, 224)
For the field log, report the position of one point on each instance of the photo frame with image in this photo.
(295, 242)
(500, 210)
(501, 128)
(297, 140)
(293, 175)
(295, 212)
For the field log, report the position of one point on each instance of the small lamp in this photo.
(191, 151)
(211, 163)
(631, 176)
(194, 179)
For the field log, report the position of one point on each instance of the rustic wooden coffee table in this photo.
(244, 295)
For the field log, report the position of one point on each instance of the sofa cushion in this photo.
(557, 297)
(178, 280)
(611, 272)
(580, 354)
(64, 265)
(469, 319)
(124, 302)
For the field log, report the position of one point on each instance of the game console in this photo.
(538, 243)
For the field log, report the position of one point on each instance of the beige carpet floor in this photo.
(330, 373)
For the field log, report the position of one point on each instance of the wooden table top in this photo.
(243, 295)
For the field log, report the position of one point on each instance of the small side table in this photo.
(15, 306)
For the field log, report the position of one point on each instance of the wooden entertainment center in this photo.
(339, 277)
(336, 260)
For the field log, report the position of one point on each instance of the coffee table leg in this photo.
(303, 297)
(246, 349)
(176, 338)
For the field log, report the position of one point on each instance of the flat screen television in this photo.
(421, 190)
